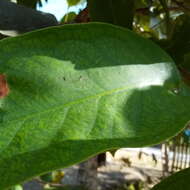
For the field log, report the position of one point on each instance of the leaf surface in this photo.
(78, 90)
(177, 181)
(73, 2)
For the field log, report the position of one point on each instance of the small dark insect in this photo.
(64, 78)
(4, 89)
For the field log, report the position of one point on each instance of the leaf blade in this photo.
(177, 181)
(77, 92)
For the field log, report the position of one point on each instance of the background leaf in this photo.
(73, 2)
(69, 17)
(178, 181)
(78, 90)
(120, 12)
(101, 11)
(179, 44)
(30, 3)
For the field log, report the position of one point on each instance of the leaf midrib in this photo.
(106, 93)
(117, 90)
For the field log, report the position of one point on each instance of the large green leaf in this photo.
(178, 181)
(81, 89)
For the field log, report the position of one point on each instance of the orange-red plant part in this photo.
(4, 89)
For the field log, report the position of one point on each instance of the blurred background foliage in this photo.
(33, 3)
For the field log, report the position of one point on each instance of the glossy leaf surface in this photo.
(178, 181)
(78, 90)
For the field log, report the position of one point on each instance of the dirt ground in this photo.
(122, 168)
(126, 167)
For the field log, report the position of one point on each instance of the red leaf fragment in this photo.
(4, 89)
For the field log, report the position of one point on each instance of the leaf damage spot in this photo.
(4, 89)
(175, 91)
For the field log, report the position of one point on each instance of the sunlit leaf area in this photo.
(94, 94)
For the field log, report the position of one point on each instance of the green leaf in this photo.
(179, 45)
(78, 90)
(123, 12)
(29, 3)
(177, 181)
(73, 2)
(120, 12)
(17, 187)
(69, 17)
(100, 11)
